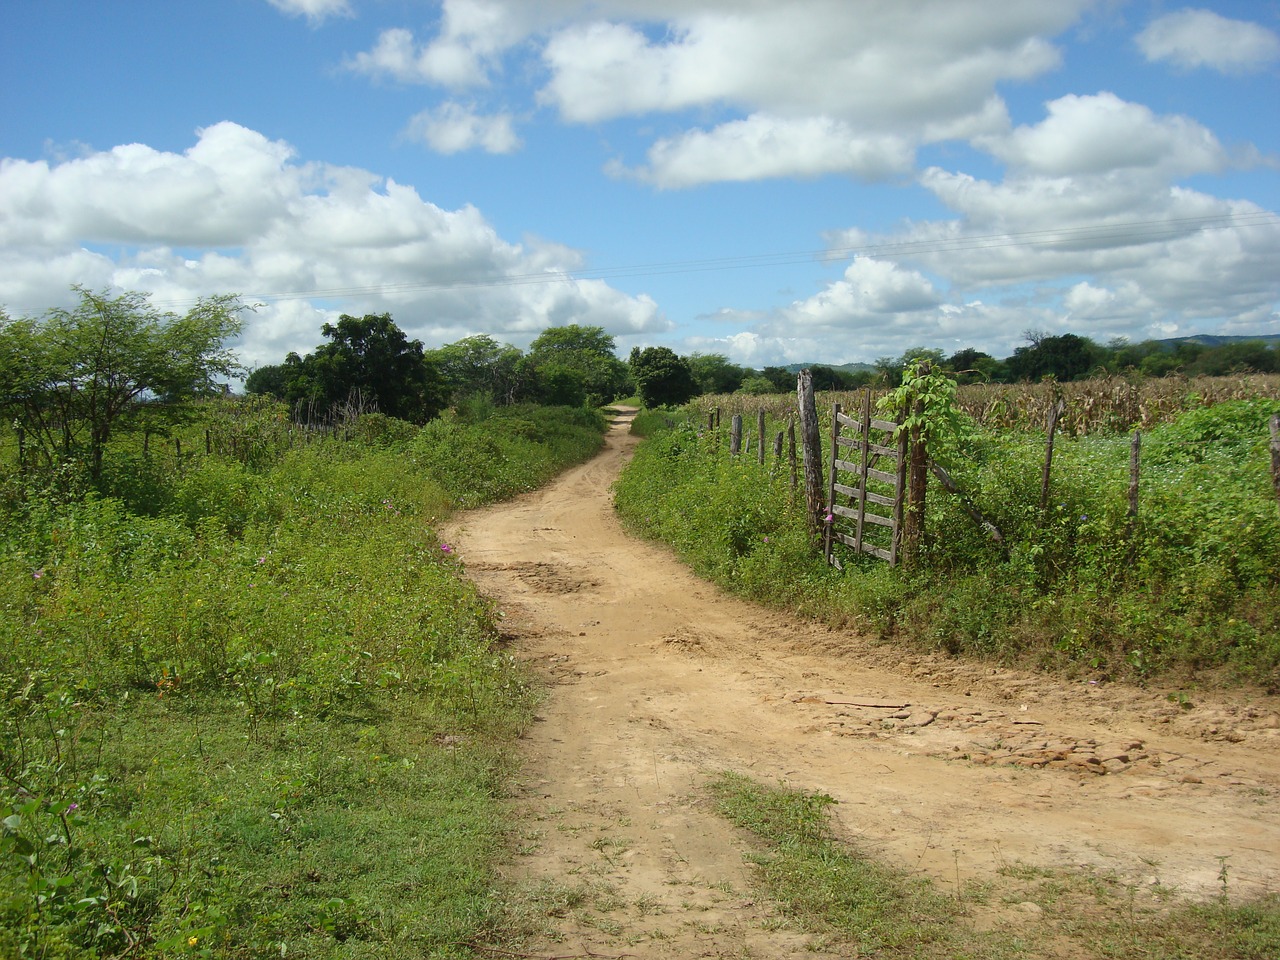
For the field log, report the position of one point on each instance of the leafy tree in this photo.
(71, 375)
(1247, 356)
(369, 357)
(891, 369)
(573, 366)
(1068, 357)
(271, 380)
(479, 365)
(758, 386)
(782, 379)
(713, 373)
(662, 378)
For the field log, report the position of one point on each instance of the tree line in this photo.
(371, 357)
(70, 377)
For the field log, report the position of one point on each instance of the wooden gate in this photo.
(870, 519)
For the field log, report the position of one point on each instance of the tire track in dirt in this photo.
(658, 681)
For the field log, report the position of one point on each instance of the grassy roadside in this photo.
(845, 900)
(256, 710)
(1184, 594)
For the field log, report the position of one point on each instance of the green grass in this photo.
(252, 707)
(1188, 592)
(829, 890)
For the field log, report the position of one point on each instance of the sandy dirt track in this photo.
(659, 681)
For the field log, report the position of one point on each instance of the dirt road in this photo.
(956, 771)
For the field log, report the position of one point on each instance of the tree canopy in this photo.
(68, 377)
(479, 365)
(661, 377)
(575, 365)
(369, 358)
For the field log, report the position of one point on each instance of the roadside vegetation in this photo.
(253, 708)
(1186, 593)
(847, 901)
(250, 705)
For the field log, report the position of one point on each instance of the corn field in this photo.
(1107, 405)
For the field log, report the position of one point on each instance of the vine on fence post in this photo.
(925, 407)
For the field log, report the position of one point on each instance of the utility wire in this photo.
(1113, 234)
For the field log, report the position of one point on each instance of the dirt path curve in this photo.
(659, 681)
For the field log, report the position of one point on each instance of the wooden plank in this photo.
(869, 517)
(847, 421)
(856, 444)
(871, 497)
(888, 426)
(889, 479)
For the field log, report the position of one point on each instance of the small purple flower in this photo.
(445, 548)
(829, 518)
(74, 806)
(262, 560)
(36, 575)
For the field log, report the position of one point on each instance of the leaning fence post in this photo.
(735, 435)
(760, 432)
(917, 487)
(1135, 459)
(791, 454)
(1054, 413)
(811, 448)
(1275, 454)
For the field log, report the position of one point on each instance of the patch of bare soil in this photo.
(950, 769)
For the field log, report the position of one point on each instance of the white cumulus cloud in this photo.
(763, 146)
(1193, 38)
(316, 11)
(239, 213)
(455, 128)
(1098, 133)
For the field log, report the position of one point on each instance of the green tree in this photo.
(477, 366)
(713, 373)
(371, 358)
(574, 365)
(783, 380)
(1068, 357)
(70, 376)
(662, 378)
(271, 380)
(1246, 356)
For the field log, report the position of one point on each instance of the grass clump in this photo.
(249, 705)
(829, 890)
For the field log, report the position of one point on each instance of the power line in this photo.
(1120, 233)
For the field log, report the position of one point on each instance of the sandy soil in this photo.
(953, 770)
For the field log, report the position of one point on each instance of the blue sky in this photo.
(803, 181)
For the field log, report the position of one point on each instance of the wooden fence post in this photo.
(1054, 413)
(1135, 458)
(811, 449)
(1275, 454)
(791, 453)
(760, 432)
(917, 485)
(735, 435)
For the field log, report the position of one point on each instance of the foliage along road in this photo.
(949, 769)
